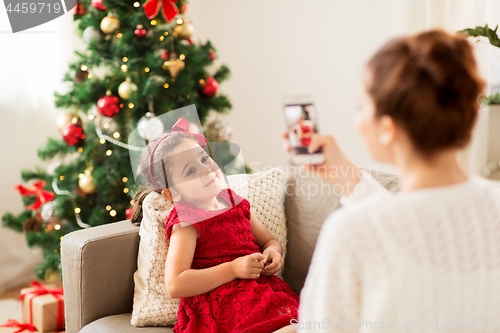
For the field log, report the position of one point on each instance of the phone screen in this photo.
(301, 121)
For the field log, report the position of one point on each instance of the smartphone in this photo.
(301, 121)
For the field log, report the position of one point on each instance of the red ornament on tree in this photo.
(128, 212)
(72, 134)
(164, 54)
(108, 105)
(98, 4)
(210, 87)
(183, 8)
(140, 31)
(212, 55)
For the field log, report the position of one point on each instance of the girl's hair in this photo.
(429, 84)
(162, 152)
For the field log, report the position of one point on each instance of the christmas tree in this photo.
(140, 62)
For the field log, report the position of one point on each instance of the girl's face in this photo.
(194, 178)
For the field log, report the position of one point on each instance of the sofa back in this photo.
(308, 202)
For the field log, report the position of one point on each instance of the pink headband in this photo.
(181, 125)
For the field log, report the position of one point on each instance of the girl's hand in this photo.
(337, 168)
(249, 266)
(272, 261)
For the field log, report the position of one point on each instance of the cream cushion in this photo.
(152, 304)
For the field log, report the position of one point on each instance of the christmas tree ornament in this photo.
(164, 54)
(48, 211)
(108, 124)
(183, 30)
(32, 225)
(82, 74)
(126, 88)
(110, 24)
(183, 8)
(168, 9)
(209, 87)
(72, 134)
(92, 34)
(175, 66)
(42, 196)
(108, 105)
(64, 118)
(212, 55)
(98, 4)
(150, 127)
(86, 182)
(128, 212)
(217, 130)
(80, 9)
(140, 31)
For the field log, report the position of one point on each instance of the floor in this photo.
(10, 308)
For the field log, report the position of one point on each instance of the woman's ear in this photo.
(171, 195)
(387, 130)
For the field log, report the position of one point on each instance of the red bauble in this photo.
(140, 31)
(98, 4)
(72, 134)
(108, 106)
(210, 87)
(164, 54)
(128, 212)
(183, 8)
(212, 55)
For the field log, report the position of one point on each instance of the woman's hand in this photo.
(337, 168)
(249, 266)
(272, 261)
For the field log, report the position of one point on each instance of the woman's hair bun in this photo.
(429, 84)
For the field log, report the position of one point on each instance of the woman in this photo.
(425, 258)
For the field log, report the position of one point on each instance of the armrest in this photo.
(98, 265)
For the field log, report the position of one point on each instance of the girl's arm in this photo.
(269, 246)
(180, 279)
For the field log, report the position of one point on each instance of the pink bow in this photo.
(180, 125)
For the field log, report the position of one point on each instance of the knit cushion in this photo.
(152, 305)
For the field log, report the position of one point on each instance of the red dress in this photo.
(258, 305)
(305, 141)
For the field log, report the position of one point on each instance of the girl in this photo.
(221, 258)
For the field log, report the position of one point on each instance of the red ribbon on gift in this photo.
(38, 290)
(22, 327)
(42, 196)
(168, 8)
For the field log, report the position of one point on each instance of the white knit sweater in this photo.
(426, 260)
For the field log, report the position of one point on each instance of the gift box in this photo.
(43, 307)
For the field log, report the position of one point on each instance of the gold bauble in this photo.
(217, 130)
(126, 88)
(110, 24)
(64, 118)
(184, 30)
(174, 66)
(86, 183)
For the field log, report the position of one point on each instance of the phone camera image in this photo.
(301, 124)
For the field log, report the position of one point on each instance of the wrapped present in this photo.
(43, 307)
